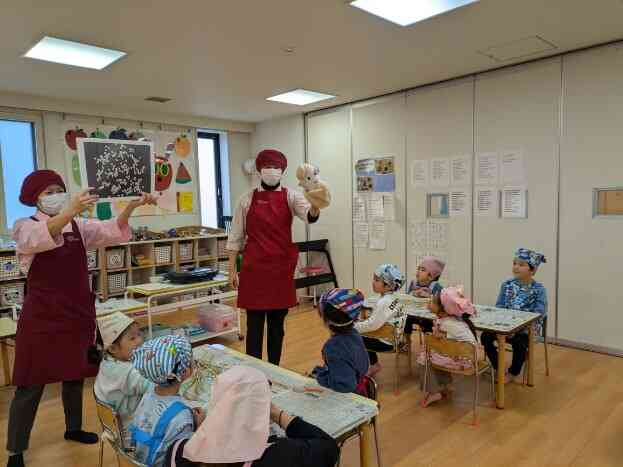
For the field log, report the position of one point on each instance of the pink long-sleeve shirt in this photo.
(34, 237)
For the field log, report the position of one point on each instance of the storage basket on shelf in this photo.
(186, 251)
(9, 267)
(221, 247)
(223, 266)
(117, 282)
(12, 294)
(162, 254)
(115, 258)
(216, 317)
(92, 259)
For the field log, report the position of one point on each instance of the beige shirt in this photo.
(237, 236)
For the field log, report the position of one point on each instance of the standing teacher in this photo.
(57, 323)
(262, 231)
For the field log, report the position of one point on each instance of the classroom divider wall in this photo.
(520, 115)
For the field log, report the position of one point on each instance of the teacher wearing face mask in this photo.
(56, 327)
(262, 231)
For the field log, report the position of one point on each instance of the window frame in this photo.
(216, 138)
(36, 119)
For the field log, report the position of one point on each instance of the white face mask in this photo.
(271, 177)
(53, 204)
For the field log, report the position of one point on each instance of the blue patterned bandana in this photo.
(349, 301)
(163, 358)
(533, 258)
(391, 275)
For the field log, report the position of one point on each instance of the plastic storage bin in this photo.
(216, 317)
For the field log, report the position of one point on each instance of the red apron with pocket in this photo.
(269, 257)
(57, 323)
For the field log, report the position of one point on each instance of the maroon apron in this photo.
(270, 257)
(57, 323)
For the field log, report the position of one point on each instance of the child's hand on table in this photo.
(422, 293)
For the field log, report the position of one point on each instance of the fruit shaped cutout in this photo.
(119, 133)
(72, 135)
(182, 146)
(164, 173)
(75, 169)
(98, 134)
(183, 176)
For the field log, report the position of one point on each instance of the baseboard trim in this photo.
(587, 347)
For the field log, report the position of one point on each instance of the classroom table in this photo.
(124, 305)
(502, 322)
(335, 413)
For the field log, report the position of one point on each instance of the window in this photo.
(18, 156)
(211, 191)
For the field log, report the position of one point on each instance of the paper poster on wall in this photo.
(459, 201)
(514, 202)
(361, 235)
(440, 172)
(487, 169)
(438, 204)
(437, 235)
(419, 235)
(461, 171)
(185, 201)
(512, 165)
(375, 206)
(419, 173)
(389, 207)
(487, 202)
(167, 202)
(377, 236)
(359, 209)
(376, 175)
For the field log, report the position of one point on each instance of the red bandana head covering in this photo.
(271, 157)
(35, 183)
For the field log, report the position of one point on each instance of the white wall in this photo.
(239, 151)
(565, 120)
(285, 135)
(519, 109)
(329, 148)
(590, 248)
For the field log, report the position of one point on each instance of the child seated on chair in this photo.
(387, 281)
(453, 321)
(236, 430)
(344, 355)
(118, 383)
(520, 293)
(425, 285)
(163, 417)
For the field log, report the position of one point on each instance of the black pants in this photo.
(24, 408)
(274, 339)
(373, 346)
(425, 325)
(519, 342)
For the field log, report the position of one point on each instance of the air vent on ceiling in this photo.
(520, 48)
(160, 100)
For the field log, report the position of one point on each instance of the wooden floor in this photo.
(572, 418)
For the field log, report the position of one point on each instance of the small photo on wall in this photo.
(438, 205)
(365, 184)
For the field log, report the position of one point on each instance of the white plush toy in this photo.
(315, 190)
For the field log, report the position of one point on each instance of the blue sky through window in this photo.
(18, 160)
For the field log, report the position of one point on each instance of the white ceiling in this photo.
(222, 58)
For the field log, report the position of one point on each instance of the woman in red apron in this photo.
(57, 323)
(262, 230)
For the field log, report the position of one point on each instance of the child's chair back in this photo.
(110, 421)
(451, 348)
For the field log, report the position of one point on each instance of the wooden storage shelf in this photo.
(117, 270)
(145, 266)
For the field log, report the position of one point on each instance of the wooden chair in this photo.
(394, 335)
(111, 427)
(124, 459)
(458, 350)
(372, 393)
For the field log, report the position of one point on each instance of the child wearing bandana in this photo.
(523, 293)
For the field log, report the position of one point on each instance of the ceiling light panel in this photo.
(408, 12)
(300, 97)
(52, 49)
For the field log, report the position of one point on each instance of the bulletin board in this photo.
(173, 165)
